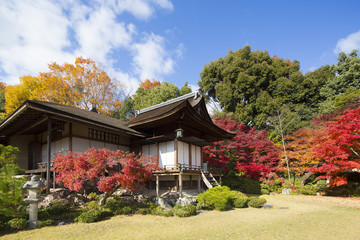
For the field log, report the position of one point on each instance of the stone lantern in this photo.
(34, 187)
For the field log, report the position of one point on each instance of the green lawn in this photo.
(293, 217)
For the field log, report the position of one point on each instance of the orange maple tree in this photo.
(83, 84)
(147, 84)
(299, 146)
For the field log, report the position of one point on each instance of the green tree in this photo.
(253, 85)
(344, 83)
(11, 192)
(144, 98)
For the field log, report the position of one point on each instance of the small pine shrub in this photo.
(57, 209)
(17, 224)
(125, 210)
(45, 223)
(43, 214)
(161, 212)
(61, 202)
(92, 205)
(92, 215)
(308, 190)
(219, 198)
(256, 202)
(241, 202)
(143, 211)
(115, 204)
(184, 211)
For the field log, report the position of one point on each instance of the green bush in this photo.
(57, 209)
(219, 198)
(125, 210)
(308, 190)
(92, 215)
(241, 202)
(243, 184)
(45, 223)
(348, 190)
(115, 205)
(61, 202)
(256, 202)
(161, 212)
(17, 223)
(184, 211)
(143, 211)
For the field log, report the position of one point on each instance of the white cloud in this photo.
(351, 42)
(34, 33)
(150, 58)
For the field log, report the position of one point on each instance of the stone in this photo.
(268, 206)
(33, 187)
(186, 201)
(286, 191)
(163, 203)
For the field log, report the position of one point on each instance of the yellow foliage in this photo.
(84, 85)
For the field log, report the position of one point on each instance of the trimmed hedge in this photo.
(241, 202)
(218, 198)
(184, 211)
(256, 202)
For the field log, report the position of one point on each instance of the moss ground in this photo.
(292, 217)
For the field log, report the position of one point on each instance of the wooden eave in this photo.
(30, 113)
(184, 114)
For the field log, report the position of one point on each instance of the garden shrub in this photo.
(61, 202)
(241, 202)
(143, 211)
(243, 184)
(256, 202)
(184, 211)
(17, 224)
(219, 198)
(125, 210)
(161, 212)
(348, 190)
(45, 223)
(115, 205)
(308, 190)
(57, 209)
(92, 215)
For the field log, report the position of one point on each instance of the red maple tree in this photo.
(252, 154)
(108, 169)
(339, 148)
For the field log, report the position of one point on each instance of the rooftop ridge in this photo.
(195, 94)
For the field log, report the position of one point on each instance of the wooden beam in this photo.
(32, 126)
(48, 154)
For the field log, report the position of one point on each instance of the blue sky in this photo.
(169, 40)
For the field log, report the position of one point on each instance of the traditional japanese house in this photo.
(174, 131)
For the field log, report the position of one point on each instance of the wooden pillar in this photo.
(180, 184)
(70, 137)
(157, 186)
(199, 183)
(176, 153)
(190, 160)
(54, 185)
(48, 162)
